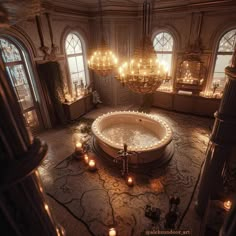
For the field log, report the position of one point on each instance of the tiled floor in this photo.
(90, 203)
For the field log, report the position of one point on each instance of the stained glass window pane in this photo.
(18, 73)
(76, 66)
(227, 42)
(163, 46)
(75, 60)
(9, 52)
(21, 86)
(73, 44)
(166, 59)
(163, 42)
(223, 59)
(32, 119)
(219, 73)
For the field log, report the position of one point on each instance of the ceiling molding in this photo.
(195, 6)
(133, 8)
(14, 11)
(114, 10)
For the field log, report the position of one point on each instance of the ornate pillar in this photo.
(23, 209)
(221, 144)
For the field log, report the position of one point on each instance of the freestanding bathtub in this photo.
(146, 135)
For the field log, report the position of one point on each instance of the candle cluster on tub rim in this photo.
(163, 142)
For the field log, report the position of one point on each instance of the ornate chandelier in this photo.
(144, 73)
(103, 61)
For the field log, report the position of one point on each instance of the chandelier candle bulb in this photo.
(227, 205)
(92, 165)
(112, 232)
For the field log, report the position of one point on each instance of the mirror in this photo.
(190, 76)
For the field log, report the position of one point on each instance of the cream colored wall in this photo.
(123, 34)
(26, 33)
(184, 27)
(61, 26)
(120, 35)
(215, 22)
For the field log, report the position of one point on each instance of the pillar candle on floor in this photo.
(92, 165)
(112, 232)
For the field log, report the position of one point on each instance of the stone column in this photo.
(23, 209)
(221, 144)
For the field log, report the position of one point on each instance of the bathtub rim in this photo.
(152, 117)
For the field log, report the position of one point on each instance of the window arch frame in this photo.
(215, 53)
(25, 61)
(84, 56)
(173, 52)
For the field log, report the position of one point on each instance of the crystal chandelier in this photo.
(144, 73)
(103, 61)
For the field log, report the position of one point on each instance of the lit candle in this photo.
(92, 165)
(150, 63)
(138, 66)
(78, 149)
(86, 158)
(227, 205)
(130, 181)
(131, 64)
(112, 232)
(46, 207)
(78, 146)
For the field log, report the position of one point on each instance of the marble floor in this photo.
(87, 203)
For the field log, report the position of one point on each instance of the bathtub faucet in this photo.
(123, 155)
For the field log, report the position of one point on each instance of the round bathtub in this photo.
(147, 136)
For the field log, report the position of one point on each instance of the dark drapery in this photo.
(52, 85)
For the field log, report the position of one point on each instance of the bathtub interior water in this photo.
(132, 134)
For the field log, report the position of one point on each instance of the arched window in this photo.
(76, 60)
(18, 69)
(163, 45)
(223, 59)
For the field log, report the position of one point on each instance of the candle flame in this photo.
(91, 163)
(227, 205)
(46, 207)
(86, 158)
(78, 145)
(112, 232)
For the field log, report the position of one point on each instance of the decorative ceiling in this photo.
(13, 11)
(132, 7)
(91, 4)
(160, 3)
